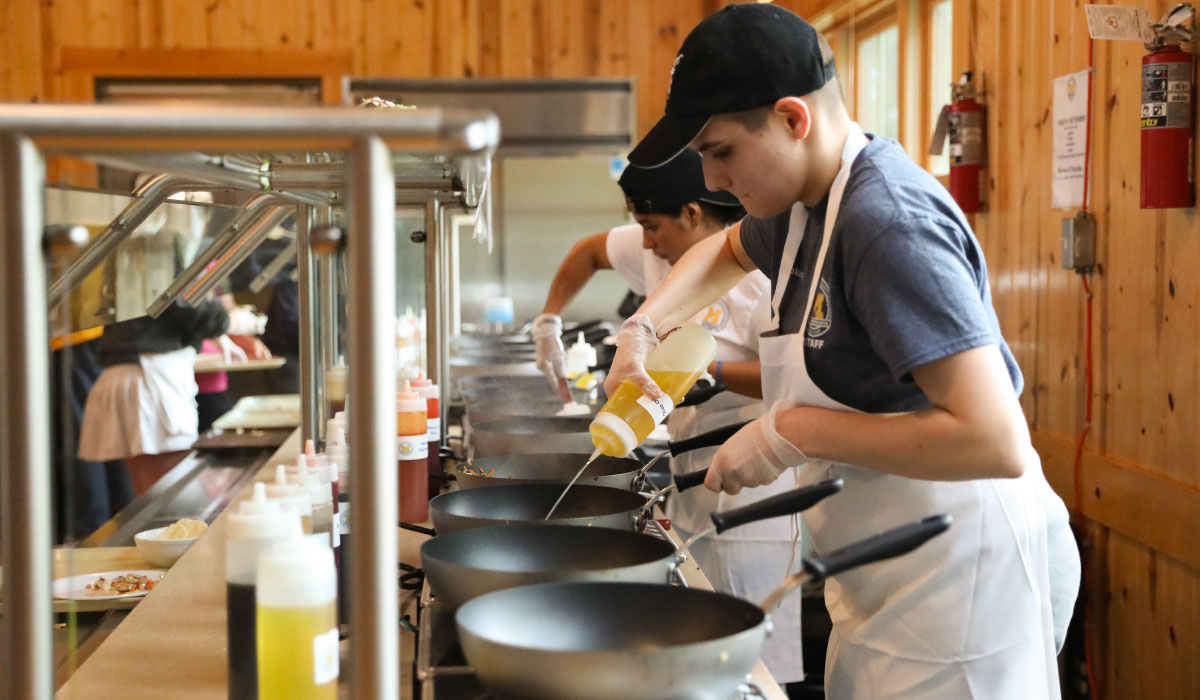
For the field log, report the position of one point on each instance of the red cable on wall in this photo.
(1088, 377)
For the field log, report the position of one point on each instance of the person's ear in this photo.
(692, 213)
(795, 114)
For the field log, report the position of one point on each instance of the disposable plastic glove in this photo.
(230, 351)
(635, 339)
(547, 339)
(755, 456)
(243, 320)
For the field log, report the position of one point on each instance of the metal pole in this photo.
(445, 233)
(236, 253)
(371, 247)
(309, 419)
(221, 243)
(281, 259)
(25, 636)
(435, 344)
(328, 315)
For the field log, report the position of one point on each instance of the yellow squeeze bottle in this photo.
(297, 632)
(629, 415)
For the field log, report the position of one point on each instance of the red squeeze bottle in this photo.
(429, 391)
(412, 451)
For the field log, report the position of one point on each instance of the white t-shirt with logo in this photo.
(735, 320)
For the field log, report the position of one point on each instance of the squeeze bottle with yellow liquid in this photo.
(297, 631)
(629, 415)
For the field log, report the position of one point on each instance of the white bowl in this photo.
(160, 552)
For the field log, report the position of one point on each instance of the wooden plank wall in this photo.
(409, 38)
(1141, 452)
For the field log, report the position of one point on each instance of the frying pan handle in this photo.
(788, 503)
(695, 397)
(683, 482)
(710, 439)
(886, 545)
(416, 528)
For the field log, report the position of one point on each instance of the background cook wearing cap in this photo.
(885, 366)
(674, 211)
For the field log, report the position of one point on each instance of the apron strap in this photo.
(856, 140)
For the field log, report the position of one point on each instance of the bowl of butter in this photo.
(163, 546)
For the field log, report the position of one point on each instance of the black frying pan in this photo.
(637, 641)
(466, 564)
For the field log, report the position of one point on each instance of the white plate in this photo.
(73, 587)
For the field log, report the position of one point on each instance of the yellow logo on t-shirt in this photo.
(715, 317)
(819, 320)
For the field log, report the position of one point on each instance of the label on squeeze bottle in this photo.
(656, 408)
(412, 447)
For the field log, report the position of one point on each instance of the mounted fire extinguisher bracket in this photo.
(1168, 114)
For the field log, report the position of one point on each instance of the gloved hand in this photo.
(755, 456)
(551, 357)
(635, 339)
(243, 320)
(230, 351)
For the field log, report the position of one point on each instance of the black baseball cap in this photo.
(665, 189)
(742, 57)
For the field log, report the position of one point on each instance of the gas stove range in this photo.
(442, 672)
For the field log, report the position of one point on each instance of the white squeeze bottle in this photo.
(675, 365)
(581, 357)
(249, 529)
(297, 621)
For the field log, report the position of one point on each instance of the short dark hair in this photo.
(723, 214)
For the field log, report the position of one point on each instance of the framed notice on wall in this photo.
(1070, 140)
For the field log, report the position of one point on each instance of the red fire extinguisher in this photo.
(967, 145)
(1168, 108)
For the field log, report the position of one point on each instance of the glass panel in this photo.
(876, 92)
(941, 74)
(548, 204)
(410, 290)
(143, 265)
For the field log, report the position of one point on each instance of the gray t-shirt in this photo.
(904, 283)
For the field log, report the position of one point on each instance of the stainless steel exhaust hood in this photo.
(544, 116)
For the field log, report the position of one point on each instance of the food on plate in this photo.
(183, 528)
(121, 585)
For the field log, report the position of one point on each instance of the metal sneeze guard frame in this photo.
(367, 137)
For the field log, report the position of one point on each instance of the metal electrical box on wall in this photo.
(1079, 242)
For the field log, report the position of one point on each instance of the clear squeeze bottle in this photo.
(338, 453)
(314, 482)
(297, 621)
(412, 455)
(291, 496)
(255, 525)
(629, 416)
(433, 419)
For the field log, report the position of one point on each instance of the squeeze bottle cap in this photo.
(409, 401)
(297, 572)
(258, 518)
(580, 356)
(425, 386)
(311, 455)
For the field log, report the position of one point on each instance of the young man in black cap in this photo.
(673, 211)
(885, 366)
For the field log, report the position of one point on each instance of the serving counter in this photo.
(172, 645)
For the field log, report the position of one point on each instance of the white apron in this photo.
(147, 408)
(967, 615)
(747, 561)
